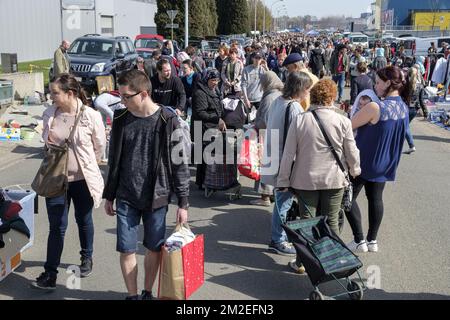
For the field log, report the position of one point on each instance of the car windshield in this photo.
(92, 47)
(408, 44)
(212, 45)
(148, 43)
(359, 39)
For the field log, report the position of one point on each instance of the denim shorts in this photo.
(128, 221)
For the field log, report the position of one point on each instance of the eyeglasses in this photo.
(128, 97)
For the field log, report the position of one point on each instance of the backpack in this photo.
(316, 60)
(182, 134)
(235, 113)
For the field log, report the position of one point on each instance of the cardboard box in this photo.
(10, 255)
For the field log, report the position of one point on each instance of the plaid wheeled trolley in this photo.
(324, 256)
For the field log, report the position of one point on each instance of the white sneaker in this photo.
(358, 247)
(372, 246)
(411, 150)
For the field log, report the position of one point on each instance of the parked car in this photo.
(94, 55)
(147, 43)
(210, 51)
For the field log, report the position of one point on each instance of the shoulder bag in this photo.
(51, 179)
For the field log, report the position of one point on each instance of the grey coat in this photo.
(263, 110)
(275, 130)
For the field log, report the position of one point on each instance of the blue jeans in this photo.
(283, 202)
(340, 81)
(58, 212)
(128, 221)
(409, 137)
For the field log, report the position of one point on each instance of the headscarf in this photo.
(270, 81)
(211, 74)
(420, 62)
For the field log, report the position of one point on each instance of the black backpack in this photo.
(316, 60)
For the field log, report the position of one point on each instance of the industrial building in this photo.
(416, 12)
(35, 28)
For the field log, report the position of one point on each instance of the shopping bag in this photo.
(249, 158)
(181, 271)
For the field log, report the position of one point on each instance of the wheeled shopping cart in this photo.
(224, 176)
(324, 256)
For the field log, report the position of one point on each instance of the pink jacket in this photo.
(90, 143)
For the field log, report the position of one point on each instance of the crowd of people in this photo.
(286, 86)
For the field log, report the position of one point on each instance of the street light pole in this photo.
(277, 14)
(186, 23)
(271, 12)
(255, 18)
(283, 9)
(264, 17)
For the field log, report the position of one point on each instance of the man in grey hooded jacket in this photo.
(251, 81)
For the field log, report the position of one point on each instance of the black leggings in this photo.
(374, 194)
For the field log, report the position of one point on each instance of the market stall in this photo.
(438, 95)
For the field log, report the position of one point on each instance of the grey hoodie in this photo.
(251, 83)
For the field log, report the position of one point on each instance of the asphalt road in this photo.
(413, 261)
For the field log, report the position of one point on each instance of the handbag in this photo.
(51, 179)
(348, 191)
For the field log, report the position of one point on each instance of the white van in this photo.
(422, 44)
(359, 39)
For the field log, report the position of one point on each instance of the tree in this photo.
(233, 16)
(202, 18)
(212, 21)
(162, 19)
(198, 17)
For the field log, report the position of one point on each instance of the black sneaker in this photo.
(85, 267)
(147, 295)
(132, 298)
(46, 281)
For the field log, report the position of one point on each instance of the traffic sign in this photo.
(172, 14)
(172, 25)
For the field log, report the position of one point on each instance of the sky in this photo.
(322, 8)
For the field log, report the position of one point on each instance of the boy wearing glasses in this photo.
(142, 176)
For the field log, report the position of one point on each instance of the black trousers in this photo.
(374, 194)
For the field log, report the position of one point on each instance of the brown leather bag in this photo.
(51, 179)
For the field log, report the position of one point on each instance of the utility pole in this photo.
(273, 13)
(264, 18)
(255, 17)
(186, 23)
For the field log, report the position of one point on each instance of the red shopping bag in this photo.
(249, 158)
(182, 271)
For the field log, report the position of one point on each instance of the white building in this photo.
(35, 28)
